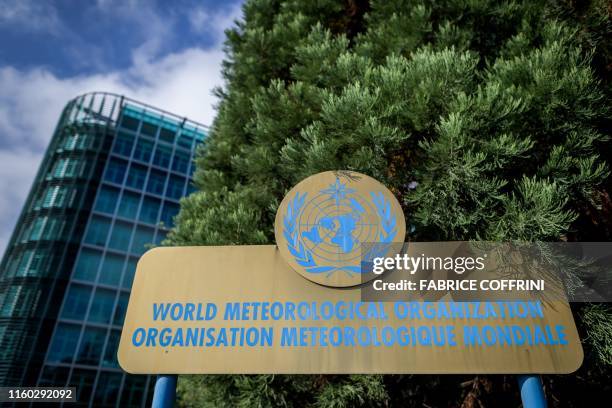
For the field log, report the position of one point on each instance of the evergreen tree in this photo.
(498, 113)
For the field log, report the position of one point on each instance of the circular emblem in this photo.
(330, 223)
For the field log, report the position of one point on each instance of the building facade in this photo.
(107, 190)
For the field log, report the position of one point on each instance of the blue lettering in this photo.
(561, 334)
(138, 337)
(165, 337)
(189, 309)
(470, 336)
(152, 333)
(178, 338)
(289, 337)
(160, 309)
(176, 311)
(191, 337)
(232, 311)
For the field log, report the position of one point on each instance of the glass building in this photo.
(107, 190)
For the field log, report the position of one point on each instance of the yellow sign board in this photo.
(243, 309)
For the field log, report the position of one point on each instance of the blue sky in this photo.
(165, 53)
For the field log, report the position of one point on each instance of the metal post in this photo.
(532, 392)
(165, 391)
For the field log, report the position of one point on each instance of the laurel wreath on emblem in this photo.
(304, 257)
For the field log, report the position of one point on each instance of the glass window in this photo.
(107, 200)
(71, 168)
(49, 196)
(110, 354)
(168, 212)
(42, 262)
(36, 229)
(144, 150)
(129, 122)
(84, 141)
(181, 161)
(149, 210)
(89, 141)
(107, 389)
(83, 380)
(123, 144)
(77, 300)
(87, 265)
(161, 235)
(162, 156)
(136, 176)
(120, 237)
(92, 141)
(10, 301)
(32, 263)
(128, 208)
(148, 129)
(56, 196)
(167, 135)
(20, 301)
(71, 194)
(130, 270)
(191, 188)
(97, 231)
(64, 343)
(5, 311)
(115, 171)
(54, 376)
(70, 142)
(11, 270)
(156, 183)
(175, 187)
(91, 347)
(133, 390)
(121, 309)
(6, 351)
(102, 306)
(143, 238)
(112, 267)
(58, 171)
(185, 141)
(24, 263)
(54, 228)
(38, 264)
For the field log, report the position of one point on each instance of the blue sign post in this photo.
(532, 392)
(165, 391)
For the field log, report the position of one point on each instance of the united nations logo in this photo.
(325, 222)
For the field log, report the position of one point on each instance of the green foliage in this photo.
(353, 390)
(282, 391)
(498, 110)
(598, 320)
(245, 391)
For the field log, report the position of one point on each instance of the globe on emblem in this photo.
(323, 222)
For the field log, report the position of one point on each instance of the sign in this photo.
(324, 220)
(300, 307)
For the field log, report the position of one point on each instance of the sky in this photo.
(164, 53)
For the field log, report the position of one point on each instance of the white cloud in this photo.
(31, 102)
(146, 20)
(201, 20)
(29, 15)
